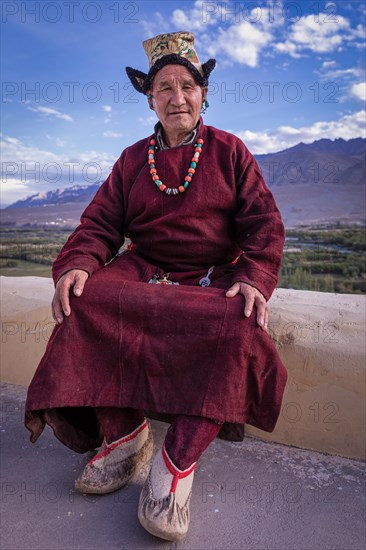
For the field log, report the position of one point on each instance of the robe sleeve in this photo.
(258, 226)
(101, 231)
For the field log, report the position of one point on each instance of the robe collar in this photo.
(188, 140)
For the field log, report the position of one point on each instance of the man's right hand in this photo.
(61, 304)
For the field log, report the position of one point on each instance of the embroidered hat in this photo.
(167, 49)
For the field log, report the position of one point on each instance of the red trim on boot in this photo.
(178, 474)
(109, 448)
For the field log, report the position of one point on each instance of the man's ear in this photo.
(149, 99)
(204, 93)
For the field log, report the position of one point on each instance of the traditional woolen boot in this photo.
(117, 462)
(164, 501)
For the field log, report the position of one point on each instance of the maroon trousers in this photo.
(187, 437)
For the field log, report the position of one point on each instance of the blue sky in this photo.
(286, 72)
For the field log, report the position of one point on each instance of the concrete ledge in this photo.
(320, 338)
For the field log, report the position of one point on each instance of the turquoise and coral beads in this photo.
(187, 180)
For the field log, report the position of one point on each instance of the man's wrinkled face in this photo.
(177, 99)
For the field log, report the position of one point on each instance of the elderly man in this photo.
(174, 327)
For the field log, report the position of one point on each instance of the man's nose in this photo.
(178, 97)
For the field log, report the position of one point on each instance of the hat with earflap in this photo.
(176, 48)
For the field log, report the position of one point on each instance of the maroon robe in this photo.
(178, 349)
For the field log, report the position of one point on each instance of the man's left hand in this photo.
(252, 297)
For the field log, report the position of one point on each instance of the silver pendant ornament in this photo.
(206, 281)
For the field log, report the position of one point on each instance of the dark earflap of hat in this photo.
(208, 67)
(137, 79)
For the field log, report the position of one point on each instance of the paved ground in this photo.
(252, 495)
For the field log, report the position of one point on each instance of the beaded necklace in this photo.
(187, 180)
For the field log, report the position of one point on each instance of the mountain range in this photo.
(324, 161)
(320, 182)
(76, 193)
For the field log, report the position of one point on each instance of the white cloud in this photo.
(330, 69)
(347, 81)
(107, 109)
(204, 14)
(240, 32)
(110, 134)
(236, 32)
(157, 24)
(181, 19)
(343, 73)
(271, 141)
(320, 35)
(358, 32)
(51, 112)
(241, 43)
(12, 190)
(327, 64)
(15, 150)
(58, 142)
(148, 121)
(11, 140)
(27, 169)
(195, 19)
(359, 91)
(288, 48)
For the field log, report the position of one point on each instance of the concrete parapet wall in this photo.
(320, 338)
